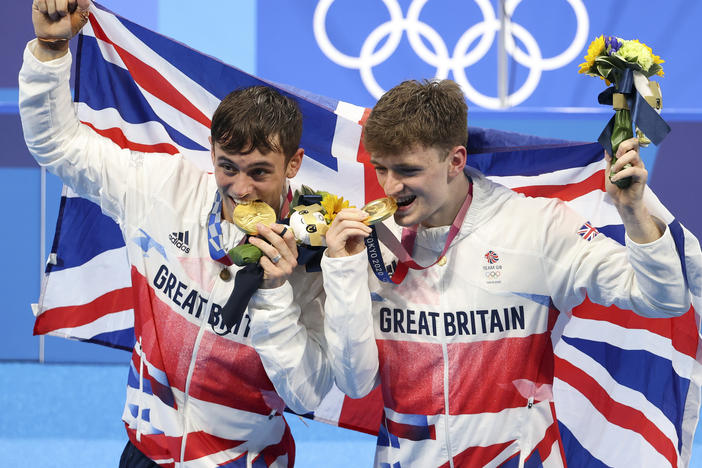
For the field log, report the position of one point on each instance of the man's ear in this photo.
(294, 163)
(209, 138)
(457, 160)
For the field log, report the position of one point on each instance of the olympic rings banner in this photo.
(356, 49)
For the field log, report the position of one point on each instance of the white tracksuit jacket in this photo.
(463, 352)
(193, 397)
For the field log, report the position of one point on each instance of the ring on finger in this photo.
(276, 259)
(282, 233)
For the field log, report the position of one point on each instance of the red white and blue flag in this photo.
(626, 389)
(588, 231)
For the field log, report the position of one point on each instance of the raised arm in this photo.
(93, 166)
(646, 276)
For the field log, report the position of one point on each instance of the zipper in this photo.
(444, 350)
(140, 352)
(523, 440)
(191, 370)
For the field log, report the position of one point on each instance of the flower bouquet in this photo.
(628, 64)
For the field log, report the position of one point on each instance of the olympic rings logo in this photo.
(461, 58)
(492, 274)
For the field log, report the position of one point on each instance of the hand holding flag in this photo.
(57, 21)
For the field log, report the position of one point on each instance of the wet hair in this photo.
(257, 118)
(428, 114)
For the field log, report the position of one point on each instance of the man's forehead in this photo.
(411, 155)
(256, 155)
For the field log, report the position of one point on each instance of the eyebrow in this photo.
(257, 164)
(400, 166)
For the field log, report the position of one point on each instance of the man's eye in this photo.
(259, 173)
(228, 168)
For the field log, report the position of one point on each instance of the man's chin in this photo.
(402, 219)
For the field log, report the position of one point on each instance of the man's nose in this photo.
(242, 186)
(392, 185)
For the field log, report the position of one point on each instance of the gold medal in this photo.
(442, 261)
(247, 215)
(379, 210)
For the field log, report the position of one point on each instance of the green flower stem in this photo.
(621, 132)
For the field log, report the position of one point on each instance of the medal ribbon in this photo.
(214, 232)
(401, 249)
(247, 279)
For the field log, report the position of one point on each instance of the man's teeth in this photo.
(404, 201)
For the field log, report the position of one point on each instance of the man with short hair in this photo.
(200, 392)
(463, 353)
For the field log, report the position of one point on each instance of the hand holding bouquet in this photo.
(628, 64)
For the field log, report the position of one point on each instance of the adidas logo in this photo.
(181, 240)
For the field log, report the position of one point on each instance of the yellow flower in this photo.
(332, 205)
(656, 59)
(596, 48)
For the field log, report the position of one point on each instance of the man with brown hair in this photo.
(461, 346)
(200, 391)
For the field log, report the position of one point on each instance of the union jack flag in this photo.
(491, 257)
(588, 231)
(626, 389)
